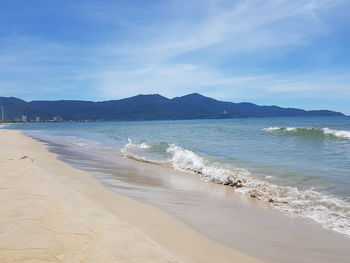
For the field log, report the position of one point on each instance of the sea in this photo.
(300, 166)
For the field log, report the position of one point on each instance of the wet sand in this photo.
(217, 211)
(52, 212)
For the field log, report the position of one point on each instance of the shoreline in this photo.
(54, 212)
(216, 211)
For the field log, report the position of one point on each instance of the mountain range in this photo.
(147, 107)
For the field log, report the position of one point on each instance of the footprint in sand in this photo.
(26, 157)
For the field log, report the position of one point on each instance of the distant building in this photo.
(57, 118)
(24, 118)
(2, 115)
(37, 118)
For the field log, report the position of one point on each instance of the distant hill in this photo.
(148, 107)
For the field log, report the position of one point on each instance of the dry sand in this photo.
(51, 212)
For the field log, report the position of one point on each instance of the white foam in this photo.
(183, 159)
(337, 133)
(331, 212)
(130, 144)
(271, 129)
(288, 129)
(130, 148)
(325, 131)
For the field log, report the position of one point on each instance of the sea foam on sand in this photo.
(329, 211)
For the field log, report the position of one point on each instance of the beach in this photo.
(215, 210)
(175, 131)
(52, 212)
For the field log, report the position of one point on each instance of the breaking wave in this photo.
(310, 131)
(134, 151)
(330, 211)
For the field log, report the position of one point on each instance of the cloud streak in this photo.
(227, 49)
(161, 62)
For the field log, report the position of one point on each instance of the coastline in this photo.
(214, 210)
(54, 212)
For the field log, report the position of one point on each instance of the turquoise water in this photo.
(299, 165)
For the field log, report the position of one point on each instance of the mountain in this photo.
(148, 107)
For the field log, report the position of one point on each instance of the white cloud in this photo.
(161, 62)
(274, 22)
(180, 50)
(172, 80)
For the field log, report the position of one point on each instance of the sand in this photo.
(51, 212)
(217, 211)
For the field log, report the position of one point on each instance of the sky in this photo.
(291, 53)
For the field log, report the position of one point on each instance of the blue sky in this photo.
(273, 52)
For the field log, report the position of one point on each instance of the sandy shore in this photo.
(216, 211)
(51, 212)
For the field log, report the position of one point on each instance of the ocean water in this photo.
(297, 165)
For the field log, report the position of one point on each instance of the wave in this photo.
(330, 211)
(131, 150)
(343, 134)
(337, 133)
(139, 146)
(3, 125)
